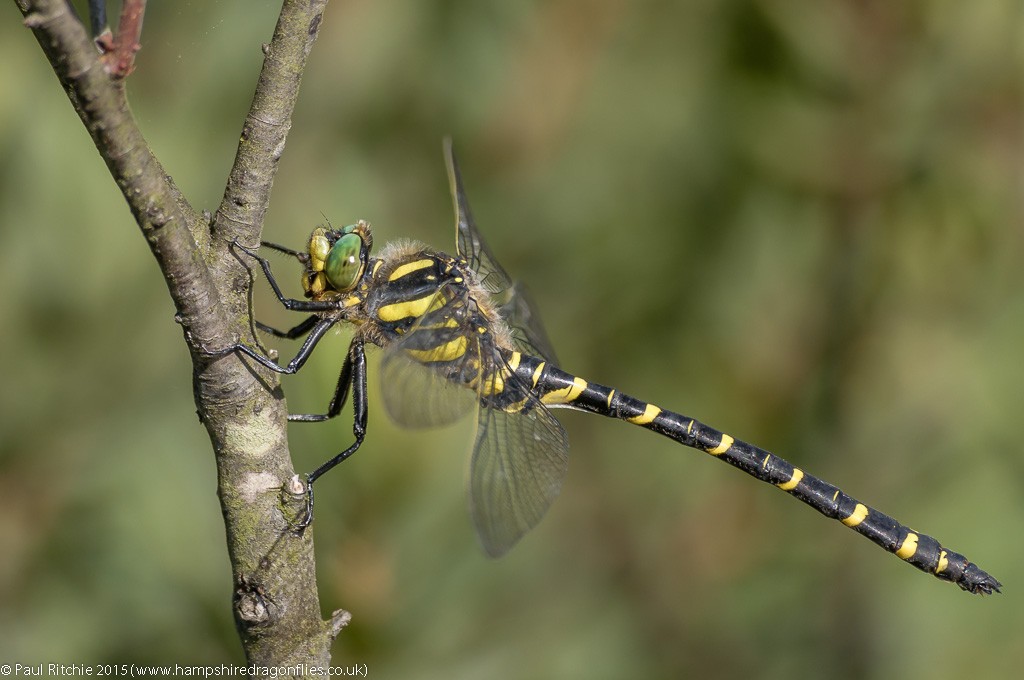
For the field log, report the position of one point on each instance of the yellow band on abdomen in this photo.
(798, 474)
(857, 516)
(723, 445)
(650, 413)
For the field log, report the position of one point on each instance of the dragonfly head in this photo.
(337, 258)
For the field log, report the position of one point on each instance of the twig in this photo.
(121, 61)
(279, 616)
(159, 208)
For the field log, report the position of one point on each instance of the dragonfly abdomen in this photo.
(555, 387)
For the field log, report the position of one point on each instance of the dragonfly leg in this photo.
(315, 335)
(289, 303)
(97, 16)
(301, 257)
(355, 366)
(340, 392)
(292, 333)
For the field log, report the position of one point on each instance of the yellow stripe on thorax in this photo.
(489, 384)
(449, 351)
(493, 384)
(409, 268)
(404, 310)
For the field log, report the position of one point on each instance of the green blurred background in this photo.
(801, 222)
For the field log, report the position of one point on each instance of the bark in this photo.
(276, 604)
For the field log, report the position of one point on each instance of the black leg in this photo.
(319, 330)
(353, 371)
(340, 392)
(302, 257)
(97, 16)
(289, 303)
(357, 361)
(340, 395)
(291, 333)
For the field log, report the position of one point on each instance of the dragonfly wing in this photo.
(425, 375)
(527, 331)
(470, 244)
(511, 299)
(416, 396)
(519, 462)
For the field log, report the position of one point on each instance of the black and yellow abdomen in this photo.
(554, 387)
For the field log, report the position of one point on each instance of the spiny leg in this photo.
(298, 331)
(300, 256)
(356, 361)
(315, 335)
(290, 304)
(353, 371)
(340, 393)
(314, 325)
(97, 16)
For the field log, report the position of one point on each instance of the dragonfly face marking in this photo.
(460, 337)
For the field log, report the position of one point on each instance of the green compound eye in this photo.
(343, 264)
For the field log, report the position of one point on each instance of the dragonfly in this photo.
(459, 336)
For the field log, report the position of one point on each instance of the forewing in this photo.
(510, 299)
(470, 244)
(519, 462)
(424, 375)
(527, 331)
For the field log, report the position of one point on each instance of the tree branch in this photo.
(276, 604)
(121, 60)
(266, 126)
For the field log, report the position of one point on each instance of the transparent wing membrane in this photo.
(441, 369)
(513, 303)
(519, 462)
(527, 331)
(425, 376)
(417, 396)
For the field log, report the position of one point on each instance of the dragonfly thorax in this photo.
(412, 284)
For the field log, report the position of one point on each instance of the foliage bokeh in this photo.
(800, 222)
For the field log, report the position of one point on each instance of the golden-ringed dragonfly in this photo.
(459, 336)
